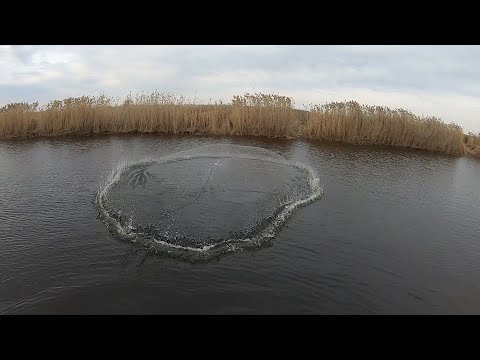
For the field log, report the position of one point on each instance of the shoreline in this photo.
(78, 136)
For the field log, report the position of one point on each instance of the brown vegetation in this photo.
(250, 114)
(472, 144)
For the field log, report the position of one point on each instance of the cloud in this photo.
(443, 81)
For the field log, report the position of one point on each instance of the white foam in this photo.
(217, 152)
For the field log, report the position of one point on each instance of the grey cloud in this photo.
(24, 54)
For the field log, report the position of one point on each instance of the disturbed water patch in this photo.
(205, 202)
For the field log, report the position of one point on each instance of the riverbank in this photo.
(267, 115)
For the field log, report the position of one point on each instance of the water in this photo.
(205, 202)
(395, 232)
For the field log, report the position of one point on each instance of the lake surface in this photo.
(395, 232)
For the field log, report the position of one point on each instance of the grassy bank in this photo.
(257, 114)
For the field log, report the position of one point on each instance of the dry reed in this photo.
(472, 144)
(250, 114)
(375, 125)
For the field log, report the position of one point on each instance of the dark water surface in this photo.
(396, 232)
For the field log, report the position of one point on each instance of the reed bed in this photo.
(472, 144)
(268, 115)
(378, 125)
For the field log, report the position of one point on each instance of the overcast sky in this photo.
(442, 81)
